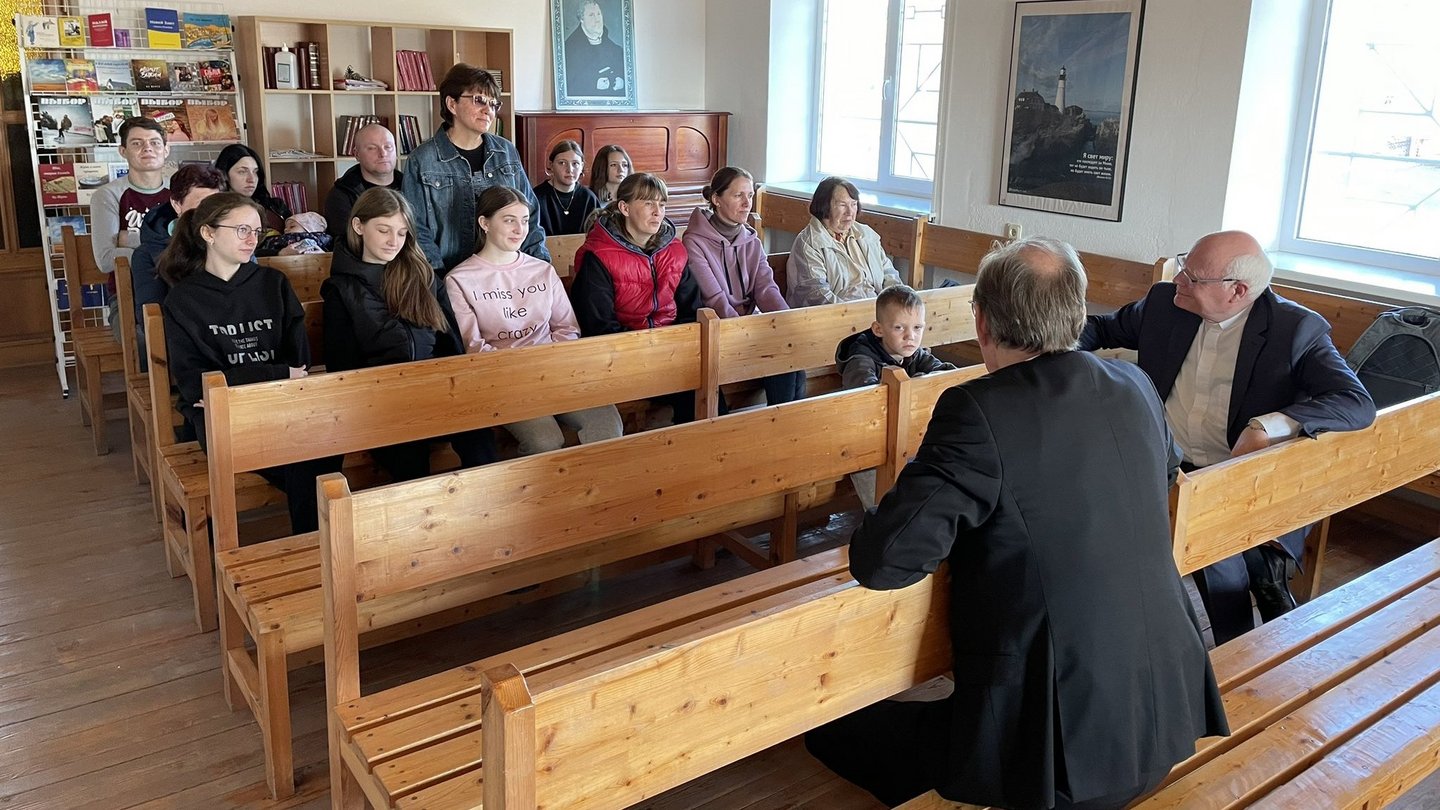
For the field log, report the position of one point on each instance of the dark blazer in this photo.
(1287, 362)
(1045, 485)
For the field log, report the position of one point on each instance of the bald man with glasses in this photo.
(1239, 368)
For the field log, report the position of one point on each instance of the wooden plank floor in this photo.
(110, 699)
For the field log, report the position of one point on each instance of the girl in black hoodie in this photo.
(384, 304)
(225, 313)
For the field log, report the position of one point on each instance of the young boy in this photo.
(893, 340)
(118, 208)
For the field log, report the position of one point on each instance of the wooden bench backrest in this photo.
(724, 686)
(796, 339)
(562, 254)
(164, 416)
(306, 273)
(1224, 509)
(900, 234)
(1348, 317)
(418, 533)
(1113, 282)
(912, 401)
(125, 305)
(80, 271)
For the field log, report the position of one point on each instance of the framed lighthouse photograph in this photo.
(1073, 66)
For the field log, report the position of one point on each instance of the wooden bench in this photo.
(271, 591)
(137, 385)
(179, 469)
(1336, 704)
(96, 352)
(423, 738)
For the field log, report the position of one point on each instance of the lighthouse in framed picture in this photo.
(1073, 68)
(594, 45)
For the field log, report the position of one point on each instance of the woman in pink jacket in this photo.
(506, 299)
(730, 267)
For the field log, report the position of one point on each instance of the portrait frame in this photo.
(1071, 157)
(591, 75)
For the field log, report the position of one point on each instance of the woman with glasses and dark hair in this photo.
(837, 258)
(225, 313)
(446, 174)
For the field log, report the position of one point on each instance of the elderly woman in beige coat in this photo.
(837, 258)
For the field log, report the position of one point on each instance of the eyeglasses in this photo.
(1181, 270)
(245, 232)
(480, 101)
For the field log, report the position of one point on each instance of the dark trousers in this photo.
(899, 750)
(1225, 587)
(411, 460)
(297, 481)
(779, 389)
(682, 403)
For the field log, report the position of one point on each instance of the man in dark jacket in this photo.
(1239, 368)
(189, 185)
(1080, 672)
(375, 166)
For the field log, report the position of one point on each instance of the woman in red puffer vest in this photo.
(633, 273)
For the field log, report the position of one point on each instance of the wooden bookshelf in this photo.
(307, 120)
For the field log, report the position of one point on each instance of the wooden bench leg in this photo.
(274, 714)
(94, 394)
(784, 537)
(1307, 584)
(139, 440)
(704, 556)
(202, 565)
(232, 648)
(79, 391)
(172, 527)
(345, 791)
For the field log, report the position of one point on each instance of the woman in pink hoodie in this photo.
(730, 266)
(506, 299)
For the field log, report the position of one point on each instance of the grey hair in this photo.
(1255, 269)
(1029, 305)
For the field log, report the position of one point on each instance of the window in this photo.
(1365, 184)
(879, 99)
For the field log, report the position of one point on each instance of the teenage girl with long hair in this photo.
(564, 203)
(612, 165)
(505, 299)
(383, 305)
(225, 313)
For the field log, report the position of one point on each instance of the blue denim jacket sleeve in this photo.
(415, 191)
(534, 243)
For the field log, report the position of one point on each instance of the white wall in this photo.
(1180, 148)
(669, 40)
(737, 73)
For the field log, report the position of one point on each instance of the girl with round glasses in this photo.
(226, 313)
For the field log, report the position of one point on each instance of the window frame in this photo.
(1302, 138)
(886, 181)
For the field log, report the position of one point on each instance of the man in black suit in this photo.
(1239, 368)
(1080, 672)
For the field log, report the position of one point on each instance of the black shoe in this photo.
(1270, 582)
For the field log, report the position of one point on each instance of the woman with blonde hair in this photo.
(384, 305)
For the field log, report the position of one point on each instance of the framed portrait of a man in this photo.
(594, 44)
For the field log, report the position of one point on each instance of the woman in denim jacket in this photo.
(446, 174)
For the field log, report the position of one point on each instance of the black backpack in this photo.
(1398, 357)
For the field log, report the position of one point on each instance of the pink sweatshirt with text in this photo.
(505, 306)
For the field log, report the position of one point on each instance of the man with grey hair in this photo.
(1239, 368)
(1080, 672)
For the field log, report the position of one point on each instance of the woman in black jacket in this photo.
(225, 313)
(383, 305)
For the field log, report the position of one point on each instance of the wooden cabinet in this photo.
(299, 133)
(683, 148)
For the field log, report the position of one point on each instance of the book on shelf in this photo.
(65, 121)
(293, 193)
(47, 75)
(267, 56)
(410, 136)
(39, 31)
(353, 80)
(350, 125)
(119, 170)
(151, 75)
(57, 184)
(162, 28)
(80, 76)
(170, 112)
(216, 76)
(309, 63)
(88, 178)
(102, 30)
(122, 38)
(185, 77)
(413, 70)
(72, 32)
(212, 119)
(114, 75)
(58, 221)
(109, 113)
(209, 31)
(498, 75)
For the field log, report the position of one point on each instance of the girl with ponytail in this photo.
(225, 313)
(504, 299)
(384, 305)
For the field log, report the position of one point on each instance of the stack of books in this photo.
(412, 71)
(293, 194)
(349, 125)
(410, 134)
